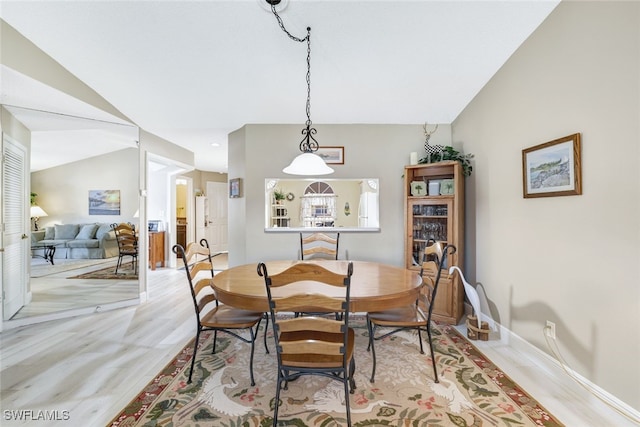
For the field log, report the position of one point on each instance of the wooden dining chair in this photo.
(311, 345)
(127, 244)
(319, 245)
(414, 316)
(210, 314)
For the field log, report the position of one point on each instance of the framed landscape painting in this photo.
(552, 168)
(331, 155)
(104, 202)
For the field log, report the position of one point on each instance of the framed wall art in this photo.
(331, 155)
(235, 188)
(104, 202)
(553, 168)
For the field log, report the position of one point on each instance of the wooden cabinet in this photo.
(434, 209)
(156, 249)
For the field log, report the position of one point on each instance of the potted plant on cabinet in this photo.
(279, 196)
(450, 153)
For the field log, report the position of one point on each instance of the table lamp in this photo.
(36, 213)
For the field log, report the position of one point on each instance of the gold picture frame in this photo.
(553, 168)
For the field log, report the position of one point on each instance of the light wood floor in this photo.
(93, 365)
(55, 293)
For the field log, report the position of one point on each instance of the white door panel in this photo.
(217, 227)
(14, 237)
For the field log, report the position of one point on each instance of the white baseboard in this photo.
(549, 364)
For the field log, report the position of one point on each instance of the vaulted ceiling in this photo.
(193, 71)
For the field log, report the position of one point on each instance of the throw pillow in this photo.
(102, 230)
(49, 233)
(87, 232)
(66, 231)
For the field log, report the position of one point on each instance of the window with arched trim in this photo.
(318, 205)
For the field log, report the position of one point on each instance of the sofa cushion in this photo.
(102, 230)
(66, 231)
(49, 233)
(57, 243)
(87, 231)
(83, 243)
(36, 236)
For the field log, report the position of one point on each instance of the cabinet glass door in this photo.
(430, 220)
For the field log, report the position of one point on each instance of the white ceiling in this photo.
(193, 71)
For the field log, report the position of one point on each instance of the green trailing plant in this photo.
(450, 153)
(33, 198)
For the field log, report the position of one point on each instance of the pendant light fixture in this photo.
(307, 163)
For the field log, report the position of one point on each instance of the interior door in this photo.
(217, 231)
(14, 238)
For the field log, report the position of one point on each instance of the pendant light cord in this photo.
(308, 143)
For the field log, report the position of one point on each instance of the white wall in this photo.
(257, 152)
(572, 260)
(63, 191)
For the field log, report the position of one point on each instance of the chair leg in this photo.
(373, 348)
(276, 402)
(433, 356)
(215, 340)
(420, 339)
(352, 370)
(266, 329)
(193, 358)
(253, 345)
(346, 399)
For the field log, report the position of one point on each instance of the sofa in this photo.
(78, 241)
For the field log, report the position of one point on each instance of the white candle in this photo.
(413, 158)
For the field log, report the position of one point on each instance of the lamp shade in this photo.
(308, 164)
(37, 212)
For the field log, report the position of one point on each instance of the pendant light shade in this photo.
(308, 164)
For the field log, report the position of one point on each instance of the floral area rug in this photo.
(125, 272)
(41, 268)
(472, 391)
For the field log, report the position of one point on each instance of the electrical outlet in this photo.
(550, 329)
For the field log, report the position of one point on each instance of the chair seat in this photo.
(317, 360)
(407, 316)
(228, 317)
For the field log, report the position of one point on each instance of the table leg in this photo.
(49, 252)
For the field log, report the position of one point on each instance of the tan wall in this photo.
(572, 260)
(257, 152)
(200, 179)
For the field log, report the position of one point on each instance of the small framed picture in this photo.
(331, 155)
(552, 168)
(418, 188)
(235, 188)
(447, 187)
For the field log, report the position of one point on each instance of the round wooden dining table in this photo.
(374, 286)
